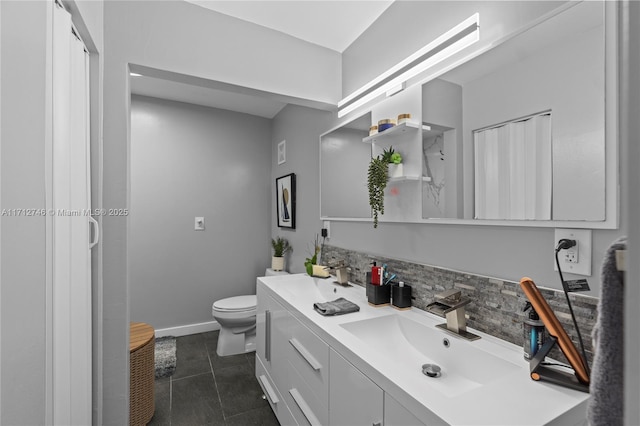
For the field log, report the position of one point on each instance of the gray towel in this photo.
(339, 306)
(606, 402)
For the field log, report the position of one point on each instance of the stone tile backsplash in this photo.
(496, 306)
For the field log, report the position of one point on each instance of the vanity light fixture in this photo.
(394, 79)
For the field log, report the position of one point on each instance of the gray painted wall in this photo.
(189, 161)
(184, 38)
(301, 128)
(23, 275)
(630, 129)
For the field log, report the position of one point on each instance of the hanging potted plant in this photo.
(280, 248)
(377, 182)
(381, 168)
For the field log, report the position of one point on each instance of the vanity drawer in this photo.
(305, 406)
(273, 395)
(309, 355)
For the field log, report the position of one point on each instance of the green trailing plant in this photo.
(280, 247)
(377, 182)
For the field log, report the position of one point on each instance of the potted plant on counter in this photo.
(280, 247)
(311, 263)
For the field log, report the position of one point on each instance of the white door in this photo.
(71, 257)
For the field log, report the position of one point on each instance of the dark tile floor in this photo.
(207, 389)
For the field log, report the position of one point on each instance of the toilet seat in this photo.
(236, 304)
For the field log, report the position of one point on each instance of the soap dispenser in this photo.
(376, 274)
(534, 332)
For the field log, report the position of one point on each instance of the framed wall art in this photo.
(286, 201)
(282, 152)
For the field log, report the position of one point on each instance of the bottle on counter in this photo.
(534, 332)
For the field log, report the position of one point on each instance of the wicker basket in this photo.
(142, 365)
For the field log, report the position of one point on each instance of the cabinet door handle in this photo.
(268, 389)
(96, 232)
(305, 354)
(304, 407)
(267, 335)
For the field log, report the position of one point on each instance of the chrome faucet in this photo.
(451, 305)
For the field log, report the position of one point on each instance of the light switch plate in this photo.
(568, 257)
(199, 224)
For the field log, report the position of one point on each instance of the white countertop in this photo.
(512, 398)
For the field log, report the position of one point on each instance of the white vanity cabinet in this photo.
(339, 370)
(307, 382)
(308, 375)
(292, 365)
(396, 415)
(271, 366)
(353, 398)
(356, 400)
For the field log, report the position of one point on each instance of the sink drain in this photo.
(431, 370)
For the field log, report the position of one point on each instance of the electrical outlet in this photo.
(571, 254)
(326, 224)
(577, 259)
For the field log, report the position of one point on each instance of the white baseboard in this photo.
(184, 330)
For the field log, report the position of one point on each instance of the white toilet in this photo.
(237, 319)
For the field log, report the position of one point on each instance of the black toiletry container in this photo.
(378, 295)
(401, 296)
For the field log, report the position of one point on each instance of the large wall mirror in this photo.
(524, 133)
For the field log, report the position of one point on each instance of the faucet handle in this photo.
(452, 295)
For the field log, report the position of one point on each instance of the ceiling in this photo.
(262, 106)
(329, 23)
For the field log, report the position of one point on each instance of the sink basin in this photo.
(315, 289)
(410, 344)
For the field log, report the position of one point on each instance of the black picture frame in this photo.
(286, 201)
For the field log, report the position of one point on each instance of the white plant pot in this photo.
(277, 263)
(396, 170)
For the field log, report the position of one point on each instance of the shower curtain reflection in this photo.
(513, 169)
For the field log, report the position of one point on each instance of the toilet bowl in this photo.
(237, 318)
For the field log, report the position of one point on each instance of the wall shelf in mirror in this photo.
(410, 179)
(393, 133)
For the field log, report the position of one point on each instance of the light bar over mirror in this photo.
(462, 35)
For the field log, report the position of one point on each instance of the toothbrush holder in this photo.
(378, 295)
